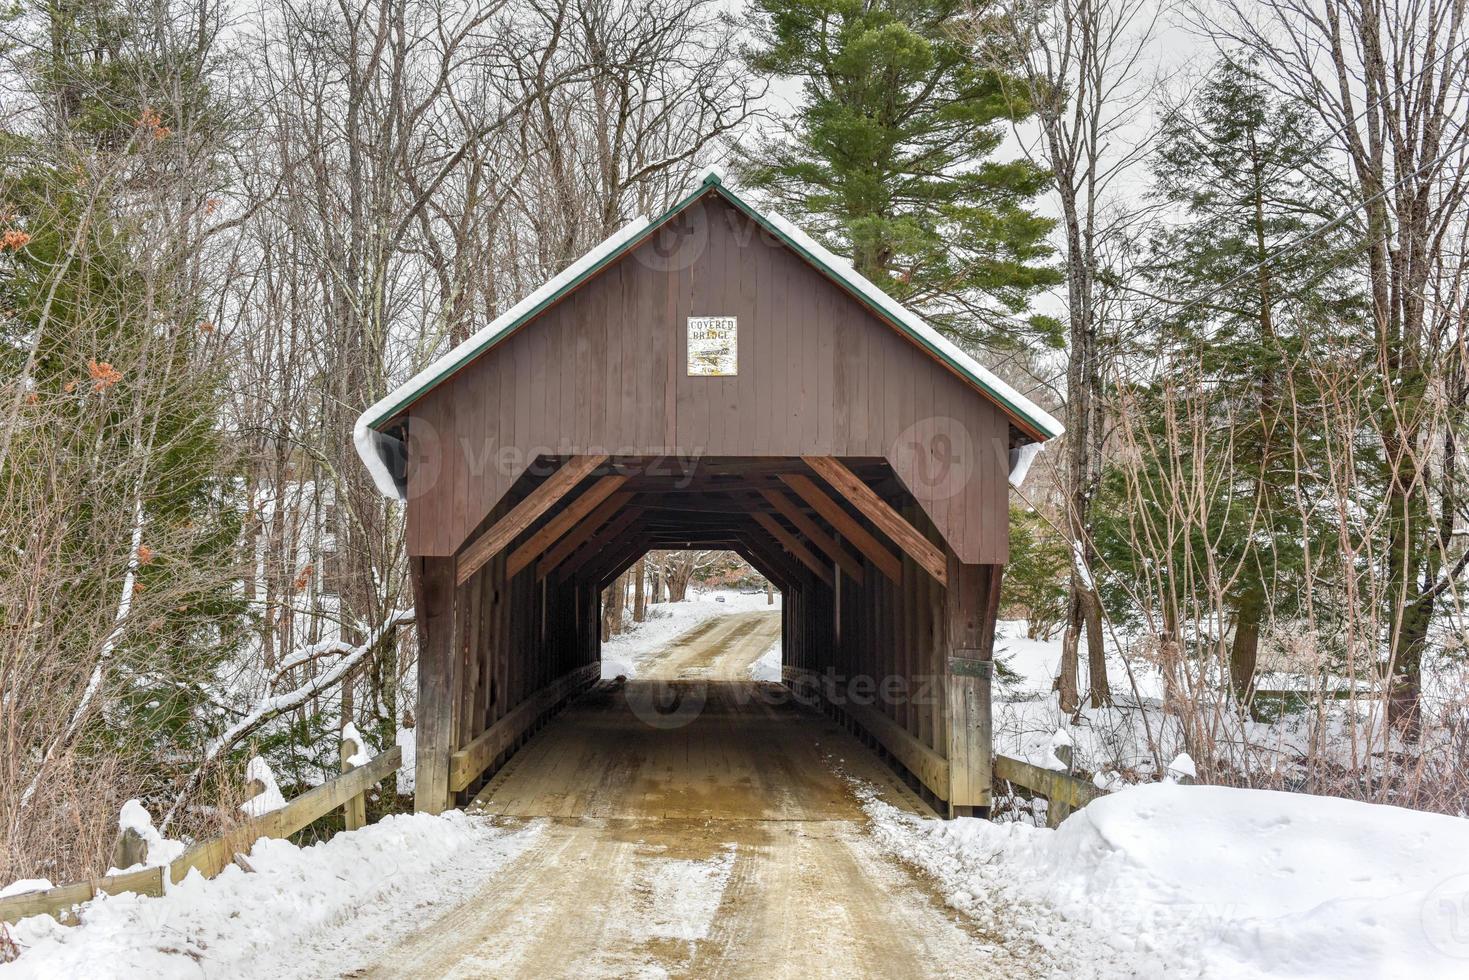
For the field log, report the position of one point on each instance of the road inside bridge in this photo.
(695, 827)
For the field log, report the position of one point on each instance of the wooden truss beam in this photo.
(846, 525)
(479, 552)
(579, 534)
(765, 568)
(616, 559)
(561, 523)
(880, 512)
(813, 533)
(763, 548)
(600, 540)
(792, 544)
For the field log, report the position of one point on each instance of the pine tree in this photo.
(1253, 273)
(890, 159)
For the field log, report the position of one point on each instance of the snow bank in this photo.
(322, 910)
(1212, 881)
(767, 668)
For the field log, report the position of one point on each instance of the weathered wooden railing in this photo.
(210, 857)
(926, 764)
(466, 765)
(1063, 791)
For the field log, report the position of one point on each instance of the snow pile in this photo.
(1182, 768)
(322, 910)
(161, 850)
(268, 799)
(625, 653)
(22, 885)
(1204, 879)
(767, 668)
(359, 756)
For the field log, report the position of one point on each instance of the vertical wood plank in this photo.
(433, 580)
(972, 605)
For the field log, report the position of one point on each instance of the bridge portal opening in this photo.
(691, 613)
(866, 626)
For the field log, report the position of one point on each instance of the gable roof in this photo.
(376, 448)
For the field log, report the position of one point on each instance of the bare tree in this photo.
(1391, 82)
(1083, 72)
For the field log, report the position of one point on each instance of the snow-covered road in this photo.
(761, 840)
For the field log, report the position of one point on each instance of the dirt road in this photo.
(692, 829)
(722, 648)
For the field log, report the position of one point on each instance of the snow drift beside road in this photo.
(311, 911)
(1213, 880)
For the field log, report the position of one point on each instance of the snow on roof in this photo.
(376, 448)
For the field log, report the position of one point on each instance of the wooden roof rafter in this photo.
(479, 551)
(862, 497)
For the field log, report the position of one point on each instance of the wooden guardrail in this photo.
(210, 857)
(1063, 791)
(931, 768)
(466, 765)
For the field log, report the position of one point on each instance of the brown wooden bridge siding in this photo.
(605, 370)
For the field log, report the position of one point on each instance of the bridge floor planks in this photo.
(689, 750)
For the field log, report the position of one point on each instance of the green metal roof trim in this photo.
(374, 447)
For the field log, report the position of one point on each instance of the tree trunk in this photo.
(1096, 655)
(1083, 383)
(1065, 682)
(1245, 650)
(639, 596)
(613, 600)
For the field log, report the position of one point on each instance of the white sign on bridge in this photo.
(713, 346)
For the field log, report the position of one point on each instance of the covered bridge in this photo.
(710, 378)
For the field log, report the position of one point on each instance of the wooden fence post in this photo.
(354, 811)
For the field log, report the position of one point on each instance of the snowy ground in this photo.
(1167, 880)
(1027, 718)
(1158, 880)
(315, 911)
(1116, 742)
(624, 654)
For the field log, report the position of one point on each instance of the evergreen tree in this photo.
(1253, 275)
(889, 159)
(115, 473)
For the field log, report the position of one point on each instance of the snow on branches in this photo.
(273, 704)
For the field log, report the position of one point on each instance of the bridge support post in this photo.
(971, 607)
(438, 681)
